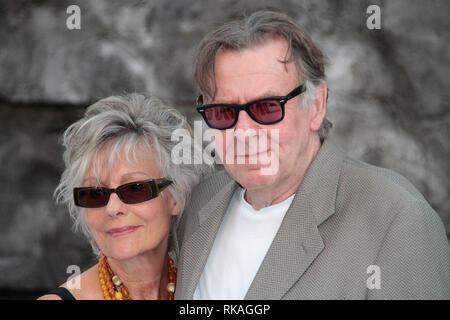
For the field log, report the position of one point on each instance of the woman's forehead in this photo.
(110, 164)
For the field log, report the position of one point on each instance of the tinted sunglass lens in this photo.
(220, 117)
(135, 193)
(91, 197)
(267, 111)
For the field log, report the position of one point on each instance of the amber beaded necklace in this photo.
(114, 289)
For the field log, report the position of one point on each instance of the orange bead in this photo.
(171, 287)
(119, 295)
(107, 278)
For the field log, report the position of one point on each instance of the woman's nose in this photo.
(115, 206)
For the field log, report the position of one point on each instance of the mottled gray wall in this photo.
(389, 98)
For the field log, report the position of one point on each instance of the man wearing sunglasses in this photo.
(321, 226)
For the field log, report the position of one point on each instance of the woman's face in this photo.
(123, 231)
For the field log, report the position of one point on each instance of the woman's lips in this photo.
(118, 232)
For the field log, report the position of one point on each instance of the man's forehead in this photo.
(274, 51)
(227, 97)
(252, 75)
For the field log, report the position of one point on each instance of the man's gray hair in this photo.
(124, 125)
(255, 30)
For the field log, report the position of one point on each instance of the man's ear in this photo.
(319, 107)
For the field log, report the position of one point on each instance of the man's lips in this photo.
(117, 232)
(247, 155)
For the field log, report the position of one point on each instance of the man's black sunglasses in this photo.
(264, 111)
(129, 193)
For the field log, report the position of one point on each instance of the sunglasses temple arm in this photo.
(161, 184)
(296, 92)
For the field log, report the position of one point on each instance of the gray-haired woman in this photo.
(123, 192)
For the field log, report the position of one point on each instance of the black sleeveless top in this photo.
(63, 293)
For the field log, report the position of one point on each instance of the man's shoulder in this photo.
(380, 196)
(359, 180)
(209, 186)
(377, 183)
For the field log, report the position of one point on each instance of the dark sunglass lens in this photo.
(135, 192)
(91, 197)
(220, 117)
(267, 111)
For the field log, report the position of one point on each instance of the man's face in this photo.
(255, 73)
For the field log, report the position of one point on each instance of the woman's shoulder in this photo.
(86, 287)
(60, 293)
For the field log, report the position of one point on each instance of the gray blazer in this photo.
(346, 216)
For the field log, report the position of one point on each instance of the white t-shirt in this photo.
(241, 244)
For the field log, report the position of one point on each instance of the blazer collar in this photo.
(321, 181)
(198, 245)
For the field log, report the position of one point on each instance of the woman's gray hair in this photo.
(125, 125)
(256, 30)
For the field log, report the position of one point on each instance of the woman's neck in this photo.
(144, 276)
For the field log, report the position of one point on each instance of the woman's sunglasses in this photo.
(264, 111)
(129, 193)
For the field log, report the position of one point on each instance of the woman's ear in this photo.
(319, 108)
(175, 209)
(171, 203)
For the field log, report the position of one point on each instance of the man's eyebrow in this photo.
(266, 94)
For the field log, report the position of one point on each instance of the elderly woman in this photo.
(124, 193)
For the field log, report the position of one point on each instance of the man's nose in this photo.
(246, 134)
(245, 122)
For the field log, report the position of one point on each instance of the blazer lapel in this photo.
(294, 248)
(198, 245)
(298, 241)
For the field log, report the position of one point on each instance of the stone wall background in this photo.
(389, 98)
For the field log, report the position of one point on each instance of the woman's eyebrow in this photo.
(89, 178)
(123, 178)
(129, 175)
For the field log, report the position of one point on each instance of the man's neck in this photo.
(281, 190)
